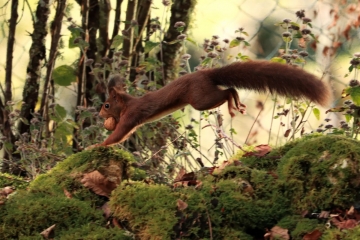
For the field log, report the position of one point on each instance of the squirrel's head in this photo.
(113, 106)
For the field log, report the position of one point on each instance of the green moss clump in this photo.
(95, 232)
(12, 181)
(28, 214)
(148, 209)
(110, 162)
(321, 173)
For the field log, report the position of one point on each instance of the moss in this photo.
(271, 160)
(94, 232)
(321, 173)
(28, 214)
(13, 181)
(111, 162)
(149, 210)
(303, 227)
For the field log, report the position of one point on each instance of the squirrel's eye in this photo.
(106, 105)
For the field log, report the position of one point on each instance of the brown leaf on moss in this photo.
(351, 211)
(223, 165)
(106, 210)
(195, 183)
(181, 173)
(116, 223)
(6, 191)
(324, 214)
(340, 223)
(259, 151)
(98, 183)
(67, 193)
(181, 205)
(49, 232)
(279, 233)
(183, 176)
(314, 235)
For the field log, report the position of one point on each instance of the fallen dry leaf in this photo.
(6, 191)
(279, 233)
(314, 235)
(259, 151)
(181, 205)
(351, 211)
(183, 176)
(98, 183)
(67, 193)
(106, 210)
(49, 232)
(324, 214)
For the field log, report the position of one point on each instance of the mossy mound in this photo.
(321, 173)
(60, 198)
(239, 201)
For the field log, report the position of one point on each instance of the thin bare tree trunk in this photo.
(4, 114)
(181, 11)
(37, 55)
(48, 84)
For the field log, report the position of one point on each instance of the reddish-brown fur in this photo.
(201, 90)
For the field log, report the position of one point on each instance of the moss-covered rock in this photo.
(240, 201)
(60, 198)
(321, 173)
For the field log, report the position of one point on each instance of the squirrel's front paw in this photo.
(92, 146)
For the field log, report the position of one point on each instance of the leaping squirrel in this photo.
(202, 91)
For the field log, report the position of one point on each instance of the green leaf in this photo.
(316, 113)
(149, 45)
(206, 61)
(313, 37)
(72, 123)
(25, 121)
(64, 75)
(60, 111)
(244, 57)
(180, 29)
(232, 130)
(355, 94)
(172, 42)
(278, 60)
(287, 39)
(300, 60)
(117, 41)
(295, 24)
(75, 33)
(246, 43)
(234, 43)
(298, 35)
(191, 40)
(351, 68)
(348, 117)
(279, 24)
(310, 25)
(245, 33)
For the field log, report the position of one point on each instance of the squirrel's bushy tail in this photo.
(274, 77)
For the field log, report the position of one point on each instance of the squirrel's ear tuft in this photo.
(116, 82)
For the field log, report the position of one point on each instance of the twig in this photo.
(163, 147)
(209, 221)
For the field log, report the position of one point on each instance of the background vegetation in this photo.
(51, 112)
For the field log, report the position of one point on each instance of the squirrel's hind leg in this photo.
(215, 97)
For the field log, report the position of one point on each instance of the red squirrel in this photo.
(202, 91)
